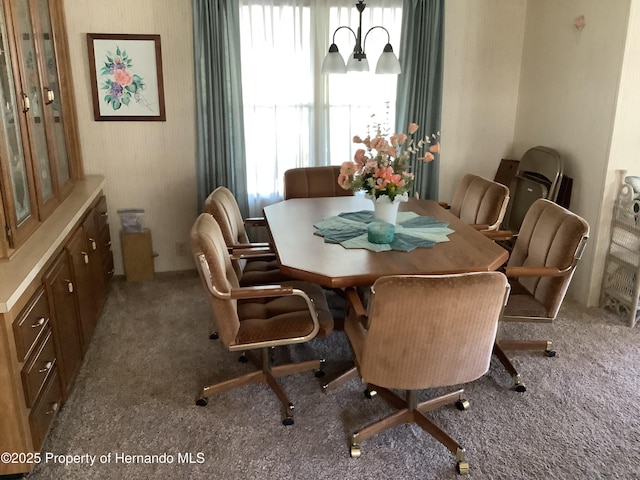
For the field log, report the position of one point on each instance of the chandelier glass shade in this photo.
(334, 63)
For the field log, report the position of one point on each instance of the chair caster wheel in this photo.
(288, 415)
(319, 373)
(462, 404)
(370, 393)
(518, 386)
(214, 336)
(549, 353)
(462, 468)
(354, 451)
(202, 401)
(243, 359)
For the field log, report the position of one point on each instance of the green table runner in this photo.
(411, 231)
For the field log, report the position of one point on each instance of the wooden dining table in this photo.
(305, 256)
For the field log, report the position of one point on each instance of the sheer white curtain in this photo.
(294, 116)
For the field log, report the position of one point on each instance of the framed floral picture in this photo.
(126, 77)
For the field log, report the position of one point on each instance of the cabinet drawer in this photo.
(36, 369)
(105, 239)
(107, 265)
(43, 414)
(31, 322)
(102, 217)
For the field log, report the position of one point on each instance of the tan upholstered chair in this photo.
(256, 318)
(313, 182)
(254, 263)
(544, 257)
(424, 332)
(479, 202)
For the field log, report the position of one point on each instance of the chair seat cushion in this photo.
(261, 272)
(283, 317)
(521, 303)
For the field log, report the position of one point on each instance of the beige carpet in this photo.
(151, 353)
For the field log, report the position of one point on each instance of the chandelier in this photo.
(334, 63)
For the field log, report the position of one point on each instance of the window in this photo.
(293, 115)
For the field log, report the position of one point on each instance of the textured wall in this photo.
(148, 165)
(625, 144)
(567, 101)
(483, 48)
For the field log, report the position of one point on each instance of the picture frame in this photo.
(126, 77)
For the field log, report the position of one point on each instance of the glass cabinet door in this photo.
(20, 201)
(51, 86)
(40, 152)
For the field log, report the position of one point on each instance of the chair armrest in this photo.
(255, 222)
(480, 226)
(358, 308)
(534, 272)
(276, 291)
(247, 252)
(354, 300)
(262, 291)
(249, 255)
(250, 245)
(499, 234)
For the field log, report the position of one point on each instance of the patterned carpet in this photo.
(132, 410)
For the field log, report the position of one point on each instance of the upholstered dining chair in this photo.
(313, 182)
(542, 263)
(254, 263)
(258, 317)
(421, 333)
(479, 202)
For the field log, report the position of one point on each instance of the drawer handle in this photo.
(108, 244)
(69, 285)
(104, 214)
(54, 408)
(39, 323)
(47, 367)
(94, 246)
(85, 256)
(111, 272)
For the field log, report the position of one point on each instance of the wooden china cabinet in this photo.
(55, 253)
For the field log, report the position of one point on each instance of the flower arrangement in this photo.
(120, 84)
(384, 167)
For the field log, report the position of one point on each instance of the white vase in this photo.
(384, 209)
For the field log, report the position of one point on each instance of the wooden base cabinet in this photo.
(51, 296)
(62, 292)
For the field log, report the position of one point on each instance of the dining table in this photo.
(305, 255)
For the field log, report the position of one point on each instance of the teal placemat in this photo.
(349, 229)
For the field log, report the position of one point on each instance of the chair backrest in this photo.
(431, 331)
(479, 201)
(313, 182)
(539, 175)
(222, 205)
(550, 236)
(216, 272)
